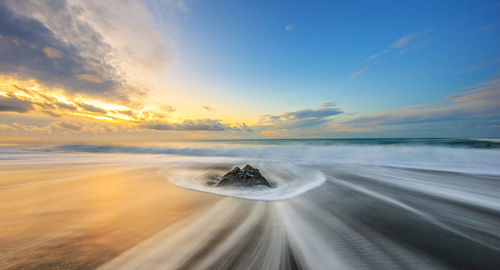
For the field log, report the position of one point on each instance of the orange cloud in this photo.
(28, 96)
(31, 97)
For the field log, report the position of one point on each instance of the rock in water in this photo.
(249, 176)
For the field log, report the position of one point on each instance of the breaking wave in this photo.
(479, 155)
(288, 180)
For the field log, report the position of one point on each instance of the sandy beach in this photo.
(137, 211)
(78, 216)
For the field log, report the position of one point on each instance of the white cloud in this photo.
(401, 43)
(122, 36)
(358, 73)
(404, 41)
(289, 27)
(138, 48)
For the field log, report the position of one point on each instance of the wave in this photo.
(428, 156)
(341, 206)
(295, 168)
(288, 180)
(481, 143)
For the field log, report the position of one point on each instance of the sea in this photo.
(376, 203)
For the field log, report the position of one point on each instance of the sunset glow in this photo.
(263, 134)
(166, 76)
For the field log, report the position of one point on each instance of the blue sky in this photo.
(247, 47)
(251, 69)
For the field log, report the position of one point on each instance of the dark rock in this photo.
(248, 176)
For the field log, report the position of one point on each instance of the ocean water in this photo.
(336, 204)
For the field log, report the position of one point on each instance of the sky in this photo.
(86, 70)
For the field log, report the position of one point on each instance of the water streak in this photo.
(344, 206)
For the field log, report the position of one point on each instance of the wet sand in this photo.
(119, 211)
(78, 216)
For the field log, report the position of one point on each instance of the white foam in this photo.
(289, 181)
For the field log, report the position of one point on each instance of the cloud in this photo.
(326, 109)
(90, 47)
(302, 118)
(274, 133)
(12, 104)
(404, 41)
(89, 78)
(358, 73)
(479, 105)
(241, 127)
(45, 104)
(139, 50)
(50, 52)
(85, 60)
(32, 98)
(92, 108)
(73, 126)
(60, 126)
(399, 44)
(200, 124)
(32, 128)
(289, 28)
(7, 127)
(208, 108)
(42, 56)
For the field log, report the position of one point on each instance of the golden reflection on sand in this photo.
(81, 215)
